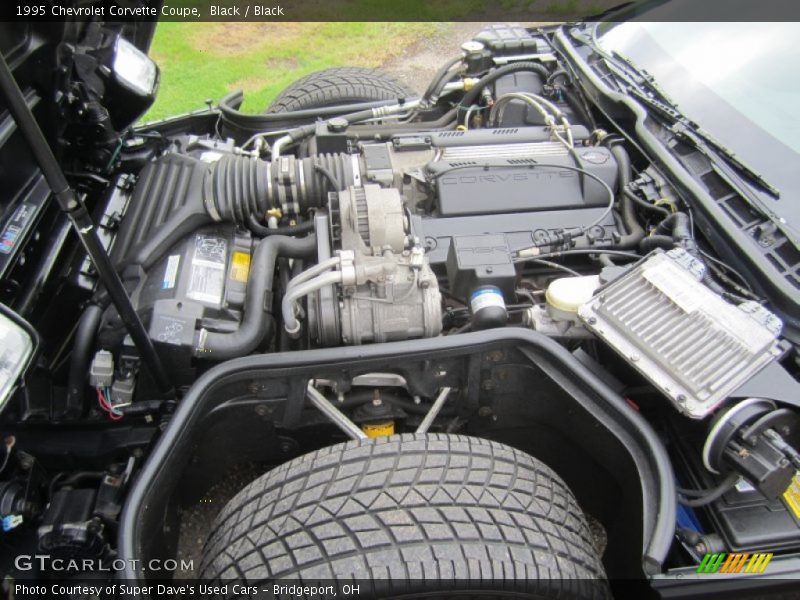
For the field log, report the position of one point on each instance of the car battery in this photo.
(200, 283)
(743, 517)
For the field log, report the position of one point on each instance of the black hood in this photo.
(49, 59)
(61, 68)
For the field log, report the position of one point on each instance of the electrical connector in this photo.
(11, 521)
(101, 372)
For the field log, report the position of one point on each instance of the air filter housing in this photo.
(687, 340)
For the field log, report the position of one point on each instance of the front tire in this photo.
(338, 85)
(414, 513)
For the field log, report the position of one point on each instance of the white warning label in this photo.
(207, 282)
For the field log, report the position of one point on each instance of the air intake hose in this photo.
(231, 190)
(238, 187)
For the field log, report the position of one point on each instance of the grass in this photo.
(202, 61)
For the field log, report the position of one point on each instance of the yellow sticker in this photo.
(792, 495)
(240, 267)
(374, 430)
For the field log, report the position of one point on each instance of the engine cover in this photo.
(450, 191)
(523, 177)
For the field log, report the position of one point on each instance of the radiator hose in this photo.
(257, 320)
(635, 232)
(82, 353)
(673, 231)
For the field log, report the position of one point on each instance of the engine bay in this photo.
(318, 274)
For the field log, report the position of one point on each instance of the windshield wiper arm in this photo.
(699, 138)
(640, 84)
(704, 142)
(622, 68)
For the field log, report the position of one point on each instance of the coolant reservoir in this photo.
(566, 295)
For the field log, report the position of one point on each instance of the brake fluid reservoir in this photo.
(566, 295)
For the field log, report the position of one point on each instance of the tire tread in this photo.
(338, 85)
(408, 507)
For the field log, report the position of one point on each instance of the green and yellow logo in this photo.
(734, 563)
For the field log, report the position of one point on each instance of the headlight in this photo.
(134, 69)
(17, 344)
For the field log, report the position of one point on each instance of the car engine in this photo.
(500, 256)
(390, 218)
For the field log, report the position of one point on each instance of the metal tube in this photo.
(312, 272)
(434, 411)
(278, 145)
(334, 414)
(356, 117)
(290, 322)
(82, 222)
